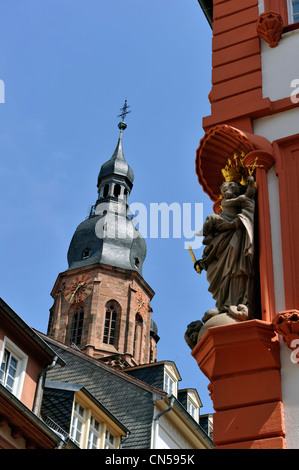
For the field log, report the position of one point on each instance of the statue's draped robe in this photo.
(228, 260)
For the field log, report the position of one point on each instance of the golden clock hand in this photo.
(75, 291)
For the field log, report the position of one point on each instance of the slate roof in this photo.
(152, 373)
(117, 165)
(129, 399)
(57, 404)
(119, 251)
(183, 396)
(120, 244)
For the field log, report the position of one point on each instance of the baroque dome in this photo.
(108, 235)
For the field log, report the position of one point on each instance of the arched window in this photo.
(112, 310)
(77, 326)
(106, 190)
(137, 336)
(116, 191)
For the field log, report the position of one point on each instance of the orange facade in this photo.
(23, 357)
(235, 358)
(243, 364)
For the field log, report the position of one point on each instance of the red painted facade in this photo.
(20, 398)
(249, 413)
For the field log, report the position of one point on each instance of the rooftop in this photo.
(207, 8)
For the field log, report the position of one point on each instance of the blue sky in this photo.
(68, 66)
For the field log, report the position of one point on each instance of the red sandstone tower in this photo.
(253, 365)
(101, 302)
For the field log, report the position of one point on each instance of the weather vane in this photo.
(124, 110)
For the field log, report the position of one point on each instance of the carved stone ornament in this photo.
(286, 324)
(270, 27)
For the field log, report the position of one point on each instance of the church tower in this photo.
(101, 302)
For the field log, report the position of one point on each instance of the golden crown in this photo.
(235, 169)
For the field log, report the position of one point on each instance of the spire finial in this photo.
(124, 111)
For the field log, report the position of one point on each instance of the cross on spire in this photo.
(124, 110)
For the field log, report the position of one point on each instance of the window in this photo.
(137, 335)
(295, 10)
(109, 440)
(116, 191)
(168, 384)
(110, 324)
(77, 327)
(89, 430)
(78, 423)
(8, 370)
(192, 409)
(106, 190)
(94, 434)
(13, 364)
(293, 6)
(86, 253)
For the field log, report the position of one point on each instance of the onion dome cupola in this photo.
(108, 235)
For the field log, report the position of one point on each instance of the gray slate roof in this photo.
(115, 251)
(117, 165)
(129, 399)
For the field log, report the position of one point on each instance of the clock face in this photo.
(78, 289)
(142, 305)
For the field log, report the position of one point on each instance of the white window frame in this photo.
(94, 433)
(22, 360)
(169, 384)
(108, 443)
(84, 432)
(192, 409)
(78, 423)
(290, 12)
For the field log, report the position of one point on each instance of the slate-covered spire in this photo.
(117, 164)
(109, 236)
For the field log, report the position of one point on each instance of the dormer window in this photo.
(171, 378)
(78, 423)
(86, 253)
(169, 384)
(109, 440)
(193, 409)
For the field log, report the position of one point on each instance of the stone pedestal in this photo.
(242, 362)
